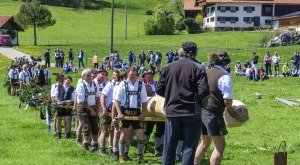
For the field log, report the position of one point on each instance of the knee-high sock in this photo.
(141, 146)
(121, 147)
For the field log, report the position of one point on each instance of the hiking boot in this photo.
(157, 152)
(111, 151)
(57, 135)
(122, 159)
(141, 159)
(116, 156)
(94, 147)
(68, 135)
(79, 142)
(103, 152)
(178, 159)
(127, 158)
(86, 146)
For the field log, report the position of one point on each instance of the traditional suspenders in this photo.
(87, 93)
(128, 93)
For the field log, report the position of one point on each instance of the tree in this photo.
(160, 23)
(33, 14)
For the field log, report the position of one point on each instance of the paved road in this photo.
(12, 53)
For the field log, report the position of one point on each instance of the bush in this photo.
(192, 26)
(160, 23)
(180, 25)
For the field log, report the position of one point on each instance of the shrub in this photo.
(192, 26)
(160, 23)
(180, 25)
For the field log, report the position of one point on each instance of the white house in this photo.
(243, 14)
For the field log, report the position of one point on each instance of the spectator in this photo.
(66, 68)
(286, 70)
(130, 57)
(276, 59)
(47, 58)
(176, 56)
(116, 58)
(80, 58)
(158, 58)
(72, 67)
(95, 61)
(152, 59)
(238, 69)
(71, 55)
(268, 61)
(170, 56)
(250, 73)
(261, 73)
(142, 58)
(56, 58)
(295, 64)
(255, 61)
(61, 57)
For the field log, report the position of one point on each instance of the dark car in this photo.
(5, 40)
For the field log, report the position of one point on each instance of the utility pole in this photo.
(126, 13)
(112, 26)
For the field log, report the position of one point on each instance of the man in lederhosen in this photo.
(160, 126)
(131, 100)
(14, 79)
(87, 109)
(219, 100)
(64, 92)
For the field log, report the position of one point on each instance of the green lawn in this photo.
(24, 138)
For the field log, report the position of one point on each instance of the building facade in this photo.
(244, 14)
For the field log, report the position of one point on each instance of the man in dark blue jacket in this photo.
(184, 85)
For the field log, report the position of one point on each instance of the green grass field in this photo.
(24, 138)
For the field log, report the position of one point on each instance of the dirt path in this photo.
(12, 53)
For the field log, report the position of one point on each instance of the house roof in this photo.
(203, 2)
(192, 5)
(8, 22)
(291, 15)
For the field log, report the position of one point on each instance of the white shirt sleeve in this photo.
(21, 76)
(143, 94)
(53, 88)
(80, 93)
(107, 89)
(120, 93)
(225, 85)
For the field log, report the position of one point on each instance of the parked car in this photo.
(5, 40)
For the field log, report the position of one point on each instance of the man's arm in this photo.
(202, 85)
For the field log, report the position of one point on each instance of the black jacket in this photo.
(184, 85)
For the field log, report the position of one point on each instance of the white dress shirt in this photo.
(225, 84)
(24, 76)
(108, 91)
(121, 94)
(13, 74)
(91, 99)
(65, 94)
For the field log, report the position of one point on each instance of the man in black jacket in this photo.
(184, 85)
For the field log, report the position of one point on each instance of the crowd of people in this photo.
(195, 99)
(254, 72)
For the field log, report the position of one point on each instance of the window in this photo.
(248, 19)
(212, 19)
(208, 10)
(221, 19)
(212, 9)
(233, 8)
(221, 8)
(268, 22)
(267, 10)
(249, 9)
(233, 19)
(207, 20)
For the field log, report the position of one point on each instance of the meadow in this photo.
(24, 138)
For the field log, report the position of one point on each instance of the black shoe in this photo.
(68, 135)
(94, 148)
(111, 150)
(86, 146)
(116, 156)
(157, 152)
(55, 136)
(178, 159)
(127, 158)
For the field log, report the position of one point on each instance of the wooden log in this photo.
(136, 118)
(290, 103)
